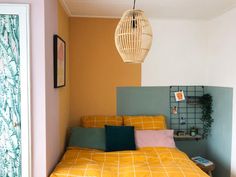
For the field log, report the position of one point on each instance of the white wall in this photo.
(222, 50)
(194, 53)
(221, 62)
(178, 53)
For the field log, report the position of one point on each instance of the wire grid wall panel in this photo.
(189, 112)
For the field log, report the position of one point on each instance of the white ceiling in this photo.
(183, 9)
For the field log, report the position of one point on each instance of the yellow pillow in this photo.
(146, 122)
(100, 121)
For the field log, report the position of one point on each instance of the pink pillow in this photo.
(154, 138)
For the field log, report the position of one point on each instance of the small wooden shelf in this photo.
(187, 137)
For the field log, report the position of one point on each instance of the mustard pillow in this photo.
(101, 121)
(146, 122)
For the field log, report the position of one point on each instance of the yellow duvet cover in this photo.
(145, 162)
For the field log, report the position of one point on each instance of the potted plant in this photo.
(193, 131)
(206, 104)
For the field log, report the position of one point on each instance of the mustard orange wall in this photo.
(96, 68)
(64, 92)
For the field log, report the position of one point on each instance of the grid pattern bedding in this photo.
(101, 121)
(146, 122)
(145, 162)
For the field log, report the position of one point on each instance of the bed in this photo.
(145, 162)
(142, 162)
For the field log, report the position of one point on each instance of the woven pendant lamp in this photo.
(133, 36)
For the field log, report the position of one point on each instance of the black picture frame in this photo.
(59, 51)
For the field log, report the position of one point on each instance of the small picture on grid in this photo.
(179, 96)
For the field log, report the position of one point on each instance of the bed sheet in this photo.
(145, 162)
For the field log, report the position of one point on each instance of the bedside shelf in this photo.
(187, 137)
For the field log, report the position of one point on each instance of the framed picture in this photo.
(174, 110)
(179, 96)
(59, 61)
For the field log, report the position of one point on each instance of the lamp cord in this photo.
(134, 4)
(134, 21)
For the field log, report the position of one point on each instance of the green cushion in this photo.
(87, 138)
(119, 138)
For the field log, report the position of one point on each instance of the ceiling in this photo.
(181, 9)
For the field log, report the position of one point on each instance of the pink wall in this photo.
(45, 125)
(53, 139)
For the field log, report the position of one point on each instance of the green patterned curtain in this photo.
(10, 93)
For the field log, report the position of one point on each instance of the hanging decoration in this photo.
(133, 36)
